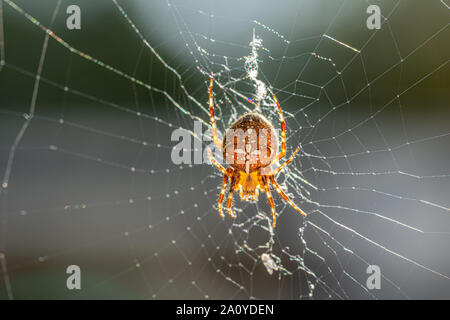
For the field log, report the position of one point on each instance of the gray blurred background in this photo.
(72, 197)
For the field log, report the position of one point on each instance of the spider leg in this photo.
(272, 206)
(277, 170)
(216, 163)
(283, 131)
(285, 197)
(230, 196)
(222, 193)
(212, 118)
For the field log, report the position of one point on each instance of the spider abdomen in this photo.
(250, 143)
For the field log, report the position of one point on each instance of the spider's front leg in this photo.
(283, 131)
(230, 195)
(226, 174)
(216, 163)
(212, 118)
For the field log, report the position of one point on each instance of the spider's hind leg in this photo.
(230, 196)
(264, 183)
(222, 194)
(285, 197)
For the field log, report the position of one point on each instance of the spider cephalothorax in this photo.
(249, 148)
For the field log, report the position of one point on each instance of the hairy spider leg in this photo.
(283, 131)
(222, 193)
(277, 170)
(226, 174)
(216, 163)
(230, 196)
(285, 197)
(272, 206)
(212, 118)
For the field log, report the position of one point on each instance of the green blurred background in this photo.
(75, 205)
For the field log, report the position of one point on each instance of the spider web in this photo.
(87, 176)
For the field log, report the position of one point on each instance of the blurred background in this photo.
(86, 119)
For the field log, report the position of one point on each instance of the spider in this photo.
(248, 163)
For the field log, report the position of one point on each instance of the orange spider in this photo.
(249, 157)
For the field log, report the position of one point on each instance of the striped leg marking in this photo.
(285, 197)
(212, 118)
(216, 163)
(230, 197)
(272, 206)
(286, 163)
(283, 131)
(222, 194)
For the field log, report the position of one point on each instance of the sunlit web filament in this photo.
(341, 43)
